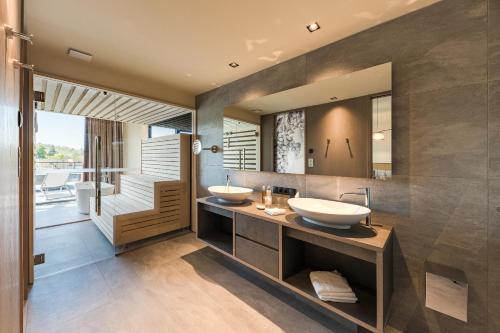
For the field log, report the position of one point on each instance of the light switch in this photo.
(310, 162)
(446, 295)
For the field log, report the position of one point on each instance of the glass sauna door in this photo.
(106, 131)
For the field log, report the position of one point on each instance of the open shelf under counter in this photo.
(220, 240)
(364, 310)
(215, 227)
(286, 249)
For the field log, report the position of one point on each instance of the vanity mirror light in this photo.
(197, 148)
(340, 126)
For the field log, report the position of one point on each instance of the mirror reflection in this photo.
(339, 127)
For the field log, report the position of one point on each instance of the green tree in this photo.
(41, 152)
(52, 151)
(59, 156)
(46, 151)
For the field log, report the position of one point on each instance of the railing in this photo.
(62, 164)
(58, 164)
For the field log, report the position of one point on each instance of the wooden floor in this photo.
(176, 285)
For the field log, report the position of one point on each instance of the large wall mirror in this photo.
(338, 127)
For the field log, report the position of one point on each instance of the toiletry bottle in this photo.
(263, 194)
(269, 198)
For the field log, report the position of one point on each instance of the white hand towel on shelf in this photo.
(324, 281)
(331, 286)
(339, 300)
(275, 211)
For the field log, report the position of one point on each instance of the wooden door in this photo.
(10, 231)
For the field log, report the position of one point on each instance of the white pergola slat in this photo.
(77, 99)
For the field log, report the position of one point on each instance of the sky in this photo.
(60, 129)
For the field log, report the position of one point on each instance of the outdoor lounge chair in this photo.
(54, 181)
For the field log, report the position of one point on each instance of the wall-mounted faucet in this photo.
(228, 181)
(367, 195)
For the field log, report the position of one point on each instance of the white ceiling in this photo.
(76, 99)
(189, 44)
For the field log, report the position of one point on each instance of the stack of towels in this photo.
(332, 287)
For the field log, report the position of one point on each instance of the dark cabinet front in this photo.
(258, 255)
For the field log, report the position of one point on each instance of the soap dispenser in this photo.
(268, 200)
(262, 204)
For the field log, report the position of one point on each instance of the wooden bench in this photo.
(151, 203)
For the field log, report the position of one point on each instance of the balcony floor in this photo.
(57, 213)
(69, 246)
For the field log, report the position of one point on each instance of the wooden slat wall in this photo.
(150, 204)
(133, 188)
(161, 156)
(77, 99)
(172, 214)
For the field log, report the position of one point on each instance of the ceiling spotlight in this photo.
(234, 64)
(313, 27)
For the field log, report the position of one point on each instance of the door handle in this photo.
(98, 175)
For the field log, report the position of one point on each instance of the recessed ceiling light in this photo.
(80, 55)
(234, 64)
(313, 27)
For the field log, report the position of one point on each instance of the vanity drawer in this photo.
(257, 255)
(262, 232)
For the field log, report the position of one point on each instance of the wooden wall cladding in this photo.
(165, 156)
(10, 228)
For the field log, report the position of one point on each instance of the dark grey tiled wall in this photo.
(443, 200)
(493, 244)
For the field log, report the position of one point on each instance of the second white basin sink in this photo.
(230, 194)
(329, 213)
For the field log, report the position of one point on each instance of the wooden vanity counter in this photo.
(358, 235)
(285, 248)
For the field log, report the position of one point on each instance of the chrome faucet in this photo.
(367, 194)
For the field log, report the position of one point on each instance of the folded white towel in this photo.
(275, 211)
(346, 297)
(331, 286)
(339, 300)
(324, 281)
(338, 293)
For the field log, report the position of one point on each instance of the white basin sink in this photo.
(329, 213)
(230, 194)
